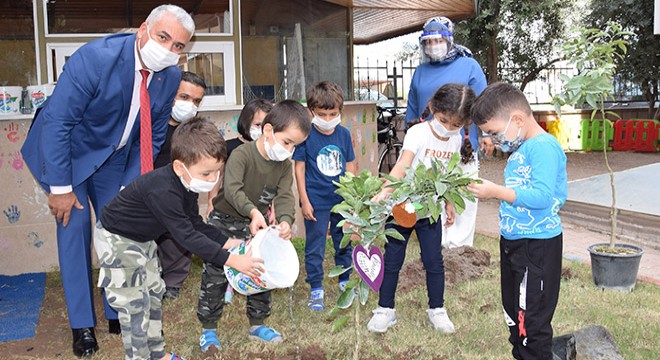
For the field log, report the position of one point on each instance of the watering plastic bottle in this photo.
(280, 262)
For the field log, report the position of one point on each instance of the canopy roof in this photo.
(375, 20)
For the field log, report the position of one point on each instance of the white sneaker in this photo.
(440, 320)
(381, 321)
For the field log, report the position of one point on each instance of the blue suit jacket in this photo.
(82, 123)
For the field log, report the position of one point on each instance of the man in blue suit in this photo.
(84, 143)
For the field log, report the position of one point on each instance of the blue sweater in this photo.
(430, 76)
(537, 173)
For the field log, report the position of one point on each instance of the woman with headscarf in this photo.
(443, 62)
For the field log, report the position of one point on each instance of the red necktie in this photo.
(146, 147)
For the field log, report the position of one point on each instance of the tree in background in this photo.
(523, 35)
(641, 65)
(409, 52)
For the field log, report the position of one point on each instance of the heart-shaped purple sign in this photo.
(369, 265)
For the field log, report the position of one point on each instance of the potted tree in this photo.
(595, 53)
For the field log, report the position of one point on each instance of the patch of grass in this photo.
(474, 307)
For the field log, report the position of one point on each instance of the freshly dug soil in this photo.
(461, 264)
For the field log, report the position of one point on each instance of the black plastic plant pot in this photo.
(615, 271)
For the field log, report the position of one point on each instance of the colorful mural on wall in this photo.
(28, 230)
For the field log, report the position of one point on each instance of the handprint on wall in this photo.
(13, 214)
(17, 160)
(12, 132)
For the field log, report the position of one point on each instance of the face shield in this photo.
(434, 29)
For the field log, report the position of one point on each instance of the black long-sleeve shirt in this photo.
(157, 202)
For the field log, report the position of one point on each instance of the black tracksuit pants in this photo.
(530, 278)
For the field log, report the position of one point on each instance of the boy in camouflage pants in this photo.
(125, 235)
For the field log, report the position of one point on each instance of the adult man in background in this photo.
(100, 129)
(174, 259)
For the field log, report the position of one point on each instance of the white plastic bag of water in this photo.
(280, 261)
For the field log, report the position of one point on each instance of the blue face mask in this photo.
(504, 144)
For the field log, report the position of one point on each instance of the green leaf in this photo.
(372, 184)
(333, 313)
(391, 232)
(436, 209)
(440, 188)
(339, 323)
(342, 206)
(338, 270)
(457, 201)
(346, 298)
(363, 292)
(345, 240)
(455, 158)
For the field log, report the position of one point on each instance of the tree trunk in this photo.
(655, 115)
(493, 49)
(534, 73)
(493, 59)
(650, 89)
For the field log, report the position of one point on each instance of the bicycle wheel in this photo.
(388, 158)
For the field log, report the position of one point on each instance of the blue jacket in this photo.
(430, 76)
(82, 123)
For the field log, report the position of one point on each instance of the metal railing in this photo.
(382, 80)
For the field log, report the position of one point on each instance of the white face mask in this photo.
(277, 152)
(255, 132)
(156, 57)
(441, 130)
(197, 185)
(326, 125)
(436, 52)
(183, 110)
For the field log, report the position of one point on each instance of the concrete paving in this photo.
(637, 190)
(576, 240)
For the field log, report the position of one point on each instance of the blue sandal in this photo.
(209, 338)
(176, 357)
(264, 333)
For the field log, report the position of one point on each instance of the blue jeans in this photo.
(316, 232)
(430, 243)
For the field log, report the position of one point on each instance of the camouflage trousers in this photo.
(130, 274)
(214, 282)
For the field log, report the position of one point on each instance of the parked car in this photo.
(373, 95)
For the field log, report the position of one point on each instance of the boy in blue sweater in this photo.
(530, 228)
(321, 159)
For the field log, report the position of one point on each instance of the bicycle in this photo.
(390, 122)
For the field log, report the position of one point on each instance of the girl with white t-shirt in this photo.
(438, 138)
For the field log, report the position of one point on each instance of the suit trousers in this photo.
(74, 241)
(174, 260)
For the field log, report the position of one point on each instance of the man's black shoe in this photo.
(171, 293)
(84, 342)
(114, 327)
